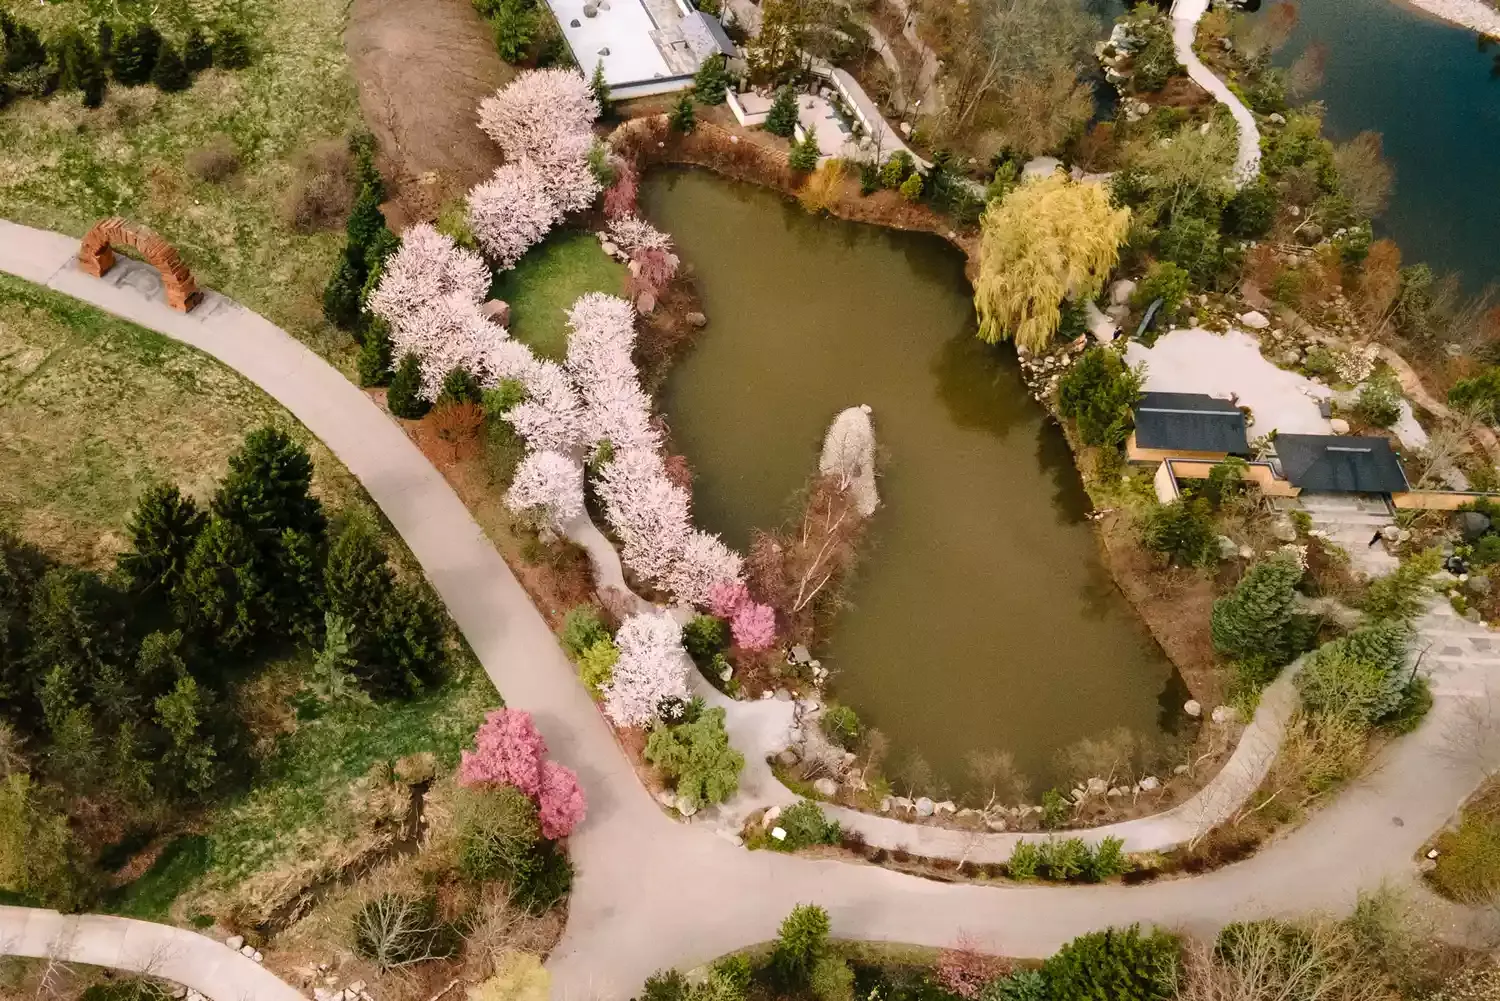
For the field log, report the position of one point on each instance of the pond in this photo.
(981, 617)
(1433, 92)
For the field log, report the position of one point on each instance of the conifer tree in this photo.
(781, 120)
(341, 295)
(375, 354)
(197, 54)
(1255, 620)
(683, 118)
(231, 49)
(221, 597)
(804, 155)
(169, 74)
(135, 53)
(404, 398)
(711, 81)
(162, 532)
(600, 90)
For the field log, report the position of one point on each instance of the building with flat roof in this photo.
(646, 46)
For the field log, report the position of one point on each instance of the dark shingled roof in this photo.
(1189, 422)
(1333, 463)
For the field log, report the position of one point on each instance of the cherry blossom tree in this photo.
(450, 333)
(426, 267)
(560, 803)
(619, 198)
(526, 116)
(703, 563)
(654, 269)
(549, 482)
(508, 750)
(633, 234)
(599, 349)
(754, 626)
(552, 417)
(652, 667)
(511, 212)
(647, 511)
(726, 597)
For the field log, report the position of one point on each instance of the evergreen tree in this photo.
(375, 354)
(129, 772)
(802, 939)
(404, 398)
(600, 90)
(1119, 964)
(295, 579)
(23, 46)
(162, 531)
(711, 81)
(105, 38)
(804, 155)
(1256, 620)
(197, 54)
(268, 489)
(135, 53)
(683, 119)
(221, 596)
(93, 81)
(72, 624)
(407, 652)
(158, 663)
(365, 224)
(460, 386)
(357, 578)
(231, 49)
(189, 760)
(341, 303)
(169, 75)
(781, 120)
(17, 578)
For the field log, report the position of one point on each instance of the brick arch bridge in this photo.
(96, 256)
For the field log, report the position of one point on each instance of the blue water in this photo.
(1432, 92)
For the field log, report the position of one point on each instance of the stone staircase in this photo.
(1350, 520)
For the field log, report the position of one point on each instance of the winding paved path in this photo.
(1185, 17)
(652, 893)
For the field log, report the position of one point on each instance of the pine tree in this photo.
(711, 81)
(221, 596)
(363, 146)
(804, 155)
(23, 46)
(93, 81)
(268, 489)
(341, 303)
(365, 224)
(683, 118)
(158, 663)
(162, 532)
(781, 120)
(105, 38)
(190, 760)
(407, 651)
(231, 49)
(600, 90)
(375, 354)
(169, 75)
(197, 54)
(1120, 964)
(404, 398)
(135, 54)
(460, 386)
(1255, 620)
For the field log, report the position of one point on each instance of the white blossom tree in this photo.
(648, 511)
(511, 212)
(704, 563)
(849, 455)
(599, 347)
(550, 483)
(551, 418)
(526, 116)
(652, 666)
(634, 234)
(450, 333)
(426, 267)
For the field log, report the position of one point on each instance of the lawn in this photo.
(64, 167)
(547, 280)
(150, 897)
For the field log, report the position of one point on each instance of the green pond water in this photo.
(981, 617)
(1433, 92)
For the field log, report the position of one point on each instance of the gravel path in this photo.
(652, 893)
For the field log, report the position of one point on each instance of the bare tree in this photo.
(995, 774)
(1305, 75)
(1364, 175)
(1263, 962)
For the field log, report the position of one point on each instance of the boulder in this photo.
(1283, 530)
(497, 311)
(667, 798)
(258, 956)
(1255, 320)
(1228, 548)
(946, 806)
(1473, 524)
(994, 824)
(1097, 787)
(782, 695)
(1193, 707)
(1338, 425)
(645, 304)
(610, 247)
(247, 951)
(924, 807)
(1149, 783)
(1180, 770)
(1224, 714)
(686, 807)
(1477, 584)
(787, 758)
(826, 787)
(1275, 118)
(1121, 291)
(770, 816)
(1391, 533)
(589, 10)
(900, 803)
(697, 320)
(1116, 791)
(1247, 553)
(235, 942)
(885, 804)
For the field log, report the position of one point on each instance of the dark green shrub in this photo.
(1256, 620)
(341, 305)
(683, 118)
(781, 120)
(162, 532)
(460, 386)
(1225, 480)
(600, 89)
(841, 725)
(1155, 59)
(1062, 859)
(697, 755)
(869, 177)
(408, 649)
(1105, 860)
(802, 939)
(497, 832)
(582, 629)
(365, 224)
(665, 985)
(404, 398)
(704, 636)
(1182, 531)
(1167, 282)
(1055, 809)
(515, 23)
(1378, 403)
(197, 54)
(1252, 210)
(1097, 393)
(135, 52)
(1479, 394)
(545, 881)
(804, 154)
(1025, 861)
(711, 81)
(1415, 704)
(231, 49)
(395, 930)
(1192, 243)
(374, 360)
(1117, 964)
(831, 978)
(1022, 985)
(805, 826)
(1402, 593)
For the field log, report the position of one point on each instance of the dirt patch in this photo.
(422, 67)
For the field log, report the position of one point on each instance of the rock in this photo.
(1477, 584)
(1275, 118)
(901, 803)
(1432, 853)
(946, 806)
(1193, 707)
(1427, 865)
(247, 951)
(968, 813)
(1247, 552)
(1403, 536)
(770, 816)
(235, 942)
(686, 807)
(667, 798)
(1473, 524)
(319, 994)
(1283, 530)
(179, 991)
(995, 824)
(1228, 548)
(610, 247)
(924, 807)
(1255, 320)
(1121, 291)
(849, 757)
(1149, 783)
(826, 787)
(497, 311)
(1116, 791)
(645, 303)
(1390, 533)
(258, 956)
(885, 804)
(782, 695)
(787, 758)
(1224, 714)
(697, 320)
(765, 694)
(905, 128)
(634, 267)
(589, 10)
(1338, 425)
(779, 833)
(1097, 786)
(1180, 770)
(1291, 359)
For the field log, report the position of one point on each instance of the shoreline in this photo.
(1473, 15)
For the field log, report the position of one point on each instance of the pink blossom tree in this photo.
(548, 483)
(508, 750)
(560, 803)
(619, 198)
(511, 212)
(754, 626)
(654, 269)
(726, 597)
(652, 666)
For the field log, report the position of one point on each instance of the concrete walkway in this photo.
(652, 893)
(1185, 17)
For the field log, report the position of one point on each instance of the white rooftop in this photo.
(620, 27)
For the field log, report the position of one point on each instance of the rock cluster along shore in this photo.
(1474, 14)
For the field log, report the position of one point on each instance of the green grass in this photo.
(64, 167)
(547, 280)
(179, 865)
(1468, 862)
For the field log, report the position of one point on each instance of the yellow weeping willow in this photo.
(1046, 240)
